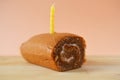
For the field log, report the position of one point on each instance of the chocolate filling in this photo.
(69, 53)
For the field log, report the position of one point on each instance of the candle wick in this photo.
(53, 2)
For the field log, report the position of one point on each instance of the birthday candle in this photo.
(52, 12)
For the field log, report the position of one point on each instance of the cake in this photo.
(58, 51)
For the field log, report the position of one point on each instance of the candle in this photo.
(52, 12)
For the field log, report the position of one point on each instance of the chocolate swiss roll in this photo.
(59, 51)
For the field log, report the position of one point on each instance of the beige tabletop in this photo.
(96, 68)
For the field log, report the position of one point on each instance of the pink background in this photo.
(98, 21)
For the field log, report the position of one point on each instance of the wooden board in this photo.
(96, 68)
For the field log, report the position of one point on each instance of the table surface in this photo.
(95, 68)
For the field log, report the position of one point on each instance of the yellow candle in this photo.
(52, 12)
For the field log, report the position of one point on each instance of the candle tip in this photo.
(53, 2)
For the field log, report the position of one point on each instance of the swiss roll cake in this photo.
(58, 51)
